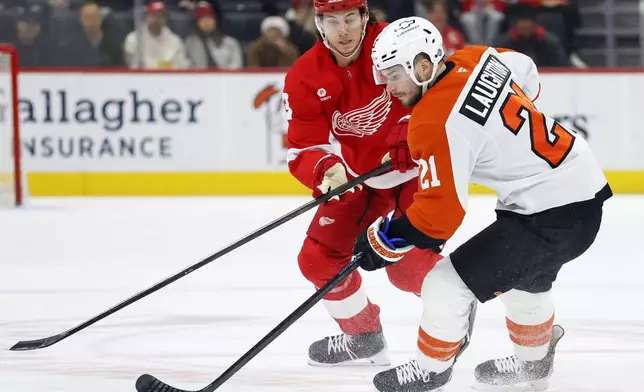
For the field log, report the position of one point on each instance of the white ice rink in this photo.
(62, 261)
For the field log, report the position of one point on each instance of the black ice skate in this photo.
(367, 349)
(410, 377)
(510, 374)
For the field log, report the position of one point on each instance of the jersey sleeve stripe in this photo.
(292, 153)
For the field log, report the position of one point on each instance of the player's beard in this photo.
(414, 98)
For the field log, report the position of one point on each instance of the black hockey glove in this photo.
(377, 248)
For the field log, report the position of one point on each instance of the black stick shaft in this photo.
(148, 383)
(283, 326)
(46, 342)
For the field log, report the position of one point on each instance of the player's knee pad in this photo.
(318, 265)
(408, 274)
(447, 303)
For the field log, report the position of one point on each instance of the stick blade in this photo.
(148, 383)
(26, 345)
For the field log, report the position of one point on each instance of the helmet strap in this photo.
(429, 82)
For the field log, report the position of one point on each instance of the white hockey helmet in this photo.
(399, 44)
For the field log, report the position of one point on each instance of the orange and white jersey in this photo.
(478, 124)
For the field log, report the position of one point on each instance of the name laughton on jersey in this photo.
(485, 91)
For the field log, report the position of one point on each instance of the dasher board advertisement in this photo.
(203, 133)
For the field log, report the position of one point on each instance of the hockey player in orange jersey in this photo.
(474, 120)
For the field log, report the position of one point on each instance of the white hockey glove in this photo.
(330, 173)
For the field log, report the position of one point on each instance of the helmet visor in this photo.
(391, 75)
(338, 23)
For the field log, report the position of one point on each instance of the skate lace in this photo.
(410, 372)
(510, 364)
(341, 343)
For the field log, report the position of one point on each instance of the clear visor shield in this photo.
(391, 75)
(330, 24)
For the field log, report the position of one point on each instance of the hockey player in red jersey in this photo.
(341, 125)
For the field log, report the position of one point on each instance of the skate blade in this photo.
(439, 389)
(528, 386)
(380, 359)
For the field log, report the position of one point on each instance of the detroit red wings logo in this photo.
(365, 120)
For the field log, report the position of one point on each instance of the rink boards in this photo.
(220, 183)
(222, 133)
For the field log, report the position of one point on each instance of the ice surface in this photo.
(63, 261)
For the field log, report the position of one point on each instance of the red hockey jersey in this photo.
(340, 110)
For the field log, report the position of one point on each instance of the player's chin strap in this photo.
(325, 40)
(429, 82)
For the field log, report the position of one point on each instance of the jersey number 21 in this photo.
(431, 180)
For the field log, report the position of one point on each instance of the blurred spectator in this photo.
(452, 38)
(453, 11)
(272, 49)
(33, 47)
(64, 4)
(559, 17)
(301, 22)
(8, 4)
(97, 46)
(562, 18)
(159, 47)
(59, 4)
(379, 11)
(208, 47)
(481, 20)
(397, 9)
(116, 5)
(527, 37)
(187, 4)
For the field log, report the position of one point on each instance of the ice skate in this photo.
(367, 349)
(510, 374)
(410, 377)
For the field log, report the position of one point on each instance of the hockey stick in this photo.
(46, 342)
(148, 383)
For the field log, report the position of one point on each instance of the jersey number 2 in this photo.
(517, 109)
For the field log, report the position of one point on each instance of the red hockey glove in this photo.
(399, 154)
(330, 173)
